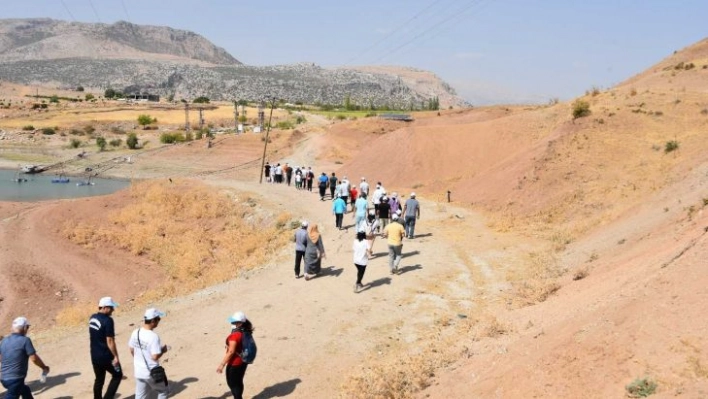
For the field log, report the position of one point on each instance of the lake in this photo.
(40, 187)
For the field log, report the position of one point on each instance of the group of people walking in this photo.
(381, 215)
(145, 347)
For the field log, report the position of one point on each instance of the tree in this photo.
(109, 93)
(101, 143)
(132, 141)
(201, 100)
(144, 120)
(242, 119)
(243, 102)
(80, 88)
(89, 97)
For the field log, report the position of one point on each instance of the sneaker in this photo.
(356, 288)
(307, 277)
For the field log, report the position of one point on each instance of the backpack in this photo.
(248, 355)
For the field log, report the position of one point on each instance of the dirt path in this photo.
(312, 334)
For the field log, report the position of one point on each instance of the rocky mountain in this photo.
(169, 62)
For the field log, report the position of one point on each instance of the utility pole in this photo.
(236, 117)
(186, 117)
(201, 118)
(265, 145)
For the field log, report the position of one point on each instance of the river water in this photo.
(40, 187)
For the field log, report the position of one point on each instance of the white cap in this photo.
(107, 301)
(394, 217)
(413, 194)
(372, 212)
(153, 313)
(303, 223)
(363, 179)
(238, 317)
(398, 212)
(20, 322)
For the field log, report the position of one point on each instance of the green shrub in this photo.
(171, 138)
(76, 132)
(144, 120)
(27, 128)
(188, 136)
(48, 131)
(201, 100)
(300, 119)
(89, 97)
(671, 145)
(101, 143)
(88, 129)
(641, 388)
(74, 143)
(199, 135)
(115, 142)
(341, 117)
(54, 99)
(284, 125)
(370, 114)
(580, 109)
(132, 141)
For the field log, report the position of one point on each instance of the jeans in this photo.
(410, 226)
(100, 371)
(298, 261)
(143, 386)
(394, 256)
(16, 389)
(234, 379)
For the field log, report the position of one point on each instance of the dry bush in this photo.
(400, 375)
(198, 235)
(75, 315)
(536, 280)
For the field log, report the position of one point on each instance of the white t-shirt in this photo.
(149, 345)
(360, 256)
(364, 187)
(378, 193)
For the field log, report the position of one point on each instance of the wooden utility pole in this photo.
(186, 117)
(265, 145)
(236, 117)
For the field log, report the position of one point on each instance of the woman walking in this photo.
(361, 258)
(314, 252)
(235, 367)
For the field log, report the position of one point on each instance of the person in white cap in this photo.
(16, 350)
(361, 258)
(147, 349)
(104, 353)
(394, 233)
(372, 225)
(411, 213)
(364, 187)
(300, 244)
(232, 361)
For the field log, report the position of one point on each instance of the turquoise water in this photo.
(40, 187)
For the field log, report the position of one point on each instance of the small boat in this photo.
(61, 179)
(30, 169)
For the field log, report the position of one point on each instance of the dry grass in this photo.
(200, 236)
(75, 315)
(536, 280)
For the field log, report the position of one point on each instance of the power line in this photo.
(394, 31)
(416, 37)
(94, 11)
(68, 11)
(125, 9)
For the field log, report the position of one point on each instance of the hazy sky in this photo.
(489, 50)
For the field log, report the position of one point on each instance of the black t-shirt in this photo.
(101, 327)
(384, 210)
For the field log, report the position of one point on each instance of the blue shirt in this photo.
(339, 206)
(323, 179)
(100, 328)
(300, 239)
(15, 351)
(360, 206)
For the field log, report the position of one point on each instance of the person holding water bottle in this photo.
(104, 352)
(16, 351)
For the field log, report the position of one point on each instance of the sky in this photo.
(490, 51)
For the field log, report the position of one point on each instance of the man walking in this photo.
(332, 185)
(288, 173)
(394, 233)
(322, 185)
(300, 244)
(146, 349)
(364, 187)
(344, 190)
(411, 212)
(339, 207)
(309, 177)
(104, 353)
(16, 350)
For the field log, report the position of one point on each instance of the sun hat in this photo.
(238, 317)
(153, 313)
(303, 223)
(394, 194)
(394, 217)
(372, 212)
(20, 322)
(363, 179)
(107, 301)
(413, 195)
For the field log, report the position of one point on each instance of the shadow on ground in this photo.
(279, 390)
